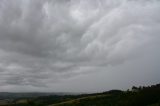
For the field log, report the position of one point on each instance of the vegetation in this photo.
(137, 96)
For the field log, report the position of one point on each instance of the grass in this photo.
(77, 101)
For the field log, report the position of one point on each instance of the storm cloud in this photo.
(53, 45)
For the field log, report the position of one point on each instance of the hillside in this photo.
(137, 96)
(141, 96)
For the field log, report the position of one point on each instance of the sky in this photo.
(78, 45)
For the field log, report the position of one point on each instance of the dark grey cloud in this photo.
(47, 45)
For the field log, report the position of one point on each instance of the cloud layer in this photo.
(45, 42)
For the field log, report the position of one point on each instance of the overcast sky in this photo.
(78, 45)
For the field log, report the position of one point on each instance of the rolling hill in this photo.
(137, 96)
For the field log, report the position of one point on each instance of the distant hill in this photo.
(12, 95)
(137, 96)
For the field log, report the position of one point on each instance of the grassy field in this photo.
(77, 101)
